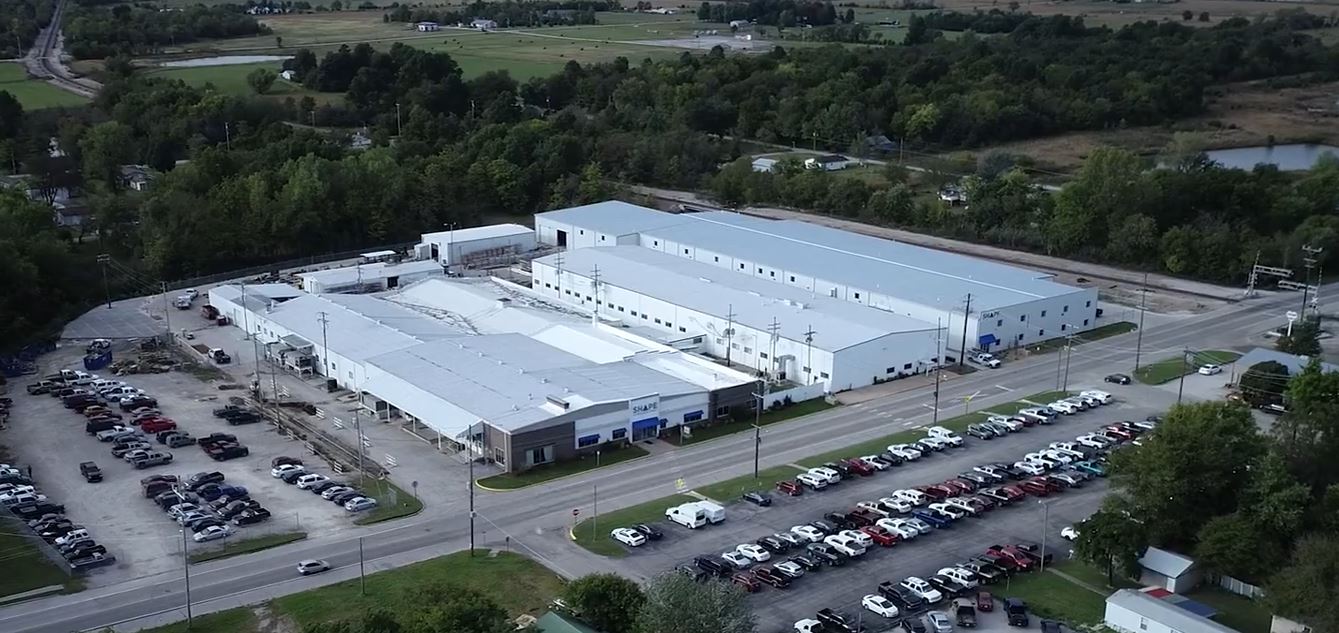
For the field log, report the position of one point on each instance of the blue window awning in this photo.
(648, 423)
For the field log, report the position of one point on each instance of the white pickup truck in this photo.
(986, 359)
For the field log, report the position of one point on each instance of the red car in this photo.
(985, 601)
(1013, 492)
(157, 426)
(1020, 560)
(938, 493)
(747, 581)
(881, 536)
(788, 487)
(1052, 485)
(861, 517)
(1034, 487)
(960, 486)
(1002, 562)
(859, 467)
(1118, 432)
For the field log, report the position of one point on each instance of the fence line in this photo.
(1241, 587)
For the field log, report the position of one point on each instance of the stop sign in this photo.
(576, 511)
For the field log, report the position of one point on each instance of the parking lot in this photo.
(842, 588)
(142, 537)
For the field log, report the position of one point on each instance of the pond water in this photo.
(223, 60)
(1289, 157)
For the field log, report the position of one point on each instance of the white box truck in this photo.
(687, 515)
(714, 512)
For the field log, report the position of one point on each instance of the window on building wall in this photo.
(542, 455)
(1064, 310)
(350, 375)
(772, 273)
(693, 417)
(1041, 332)
(657, 321)
(618, 434)
(806, 370)
(1087, 304)
(588, 298)
(857, 295)
(1063, 326)
(822, 374)
(548, 285)
(685, 251)
(1043, 314)
(581, 231)
(1022, 318)
(762, 355)
(1020, 337)
(588, 440)
(1085, 323)
(716, 259)
(643, 316)
(720, 341)
(655, 242)
(683, 329)
(602, 238)
(748, 350)
(999, 323)
(609, 303)
(620, 308)
(792, 279)
(668, 324)
(734, 345)
(568, 291)
(722, 411)
(890, 370)
(906, 366)
(1143, 624)
(741, 267)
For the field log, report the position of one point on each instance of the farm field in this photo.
(34, 94)
(231, 79)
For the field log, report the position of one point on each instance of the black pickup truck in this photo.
(91, 472)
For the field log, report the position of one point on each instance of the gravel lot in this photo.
(144, 540)
(842, 588)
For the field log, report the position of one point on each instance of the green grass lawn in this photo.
(593, 533)
(32, 93)
(731, 489)
(25, 568)
(1095, 334)
(518, 584)
(1052, 596)
(232, 79)
(1096, 577)
(713, 431)
(547, 472)
(246, 546)
(1169, 369)
(1240, 613)
(392, 501)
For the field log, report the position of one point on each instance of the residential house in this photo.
(953, 195)
(136, 177)
(555, 622)
(30, 187)
(740, 25)
(427, 27)
(483, 24)
(880, 144)
(1131, 611)
(829, 162)
(70, 216)
(289, 75)
(764, 164)
(1169, 570)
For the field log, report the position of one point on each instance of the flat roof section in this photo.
(613, 217)
(756, 302)
(348, 330)
(914, 273)
(477, 233)
(369, 272)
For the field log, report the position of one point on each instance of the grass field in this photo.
(1095, 334)
(25, 567)
(593, 533)
(1240, 613)
(731, 489)
(392, 501)
(518, 584)
(1051, 595)
(1169, 369)
(232, 79)
(549, 472)
(796, 410)
(246, 546)
(34, 94)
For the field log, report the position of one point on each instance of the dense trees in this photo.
(435, 609)
(95, 32)
(608, 602)
(20, 21)
(676, 603)
(1264, 383)
(43, 281)
(1305, 589)
(509, 12)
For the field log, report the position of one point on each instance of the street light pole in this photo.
(757, 432)
(470, 455)
(1139, 338)
(186, 565)
(1045, 527)
(1180, 387)
(1069, 353)
(939, 363)
(362, 572)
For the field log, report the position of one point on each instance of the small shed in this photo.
(764, 164)
(1169, 570)
(427, 27)
(483, 24)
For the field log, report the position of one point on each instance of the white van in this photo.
(714, 512)
(687, 515)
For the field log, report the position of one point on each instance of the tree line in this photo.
(20, 21)
(96, 32)
(509, 12)
(1259, 506)
(781, 13)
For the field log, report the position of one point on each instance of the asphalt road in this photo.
(534, 520)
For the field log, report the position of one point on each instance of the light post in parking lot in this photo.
(1180, 387)
(186, 565)
(1045, 527)
(757, 432)
(1069, 353)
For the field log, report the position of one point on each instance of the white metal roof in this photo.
(506, 379)
(1165, 613)
(612, 217)
(356, 327)
(370, 272)
(461, 236)
(755, 302)
(1169, 564)
(922, 275)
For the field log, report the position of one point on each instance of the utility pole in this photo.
(730, 332)
(595, 282)
(1069, 353)
(106, 288)
(1185, 353)
(757, 430)
(939, 363)
(167, 310)
(966, 315)
(397, 119)
(227, 134)
(1139, 338)
(773, 330)
(325, 345)
(186, 565)
(1045, 527)
(362, 572)
(470, 484)
(1058, 366)
(809, 355)
(1309, 254)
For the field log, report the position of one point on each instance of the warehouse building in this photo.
(1005, 306)
(477, 246)
(782, 332)
(365, 278)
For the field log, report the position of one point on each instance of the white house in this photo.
(830, 162)
(764, 164)
(1130, 611)
(427, 27)
(289, 75)
(1168, 570)
(483, 24)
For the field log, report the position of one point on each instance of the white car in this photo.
(754, 552)
(789, 569)
(945, 434)
(961, 504)
(954, 512)
(22, 499)
(358, 504)
(914, 497)
(329, 493)
(1209, 370)
(879, 605)
(808, 533)
(1102, 397)
(71, 536)
(812, 481)
(899, 527)
(182, 508)
(307, 481)
(874, 462)
(114, 432)
(284, 469)
(922, 589)
(966, 577)
(860, 537)
(1065, 407)
(828, 475)
(739, 561)
(191, 292)
(845, 545)
(628, 536)
(1094, 441)
(1030, 468)
(808, 625)
(986, 359)
(1069, 452)
(874, 507)
(1070, 533)
(1041, 459)
(905, 452)
(211, 533)
(312, 566)
(894, 504)
(1012, 424)
(1057, 456)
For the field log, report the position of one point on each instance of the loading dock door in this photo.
(645, 429)
(562, 238)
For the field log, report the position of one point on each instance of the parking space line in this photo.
(1003, 388)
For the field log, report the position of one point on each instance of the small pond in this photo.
(1289, 157)
(223, 60)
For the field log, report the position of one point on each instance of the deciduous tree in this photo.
(608, 602)
(1264, 383)
(676, 603)
(1305, 590)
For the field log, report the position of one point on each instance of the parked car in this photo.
(359, 504)
(1016, 610)
(628, 536)
(1209, 370)
(755, 497)
(1119, 379)
(91, 472)
(789, 488)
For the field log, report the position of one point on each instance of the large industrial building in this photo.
(1005, 306)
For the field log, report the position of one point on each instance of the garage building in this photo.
(1006, 306)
